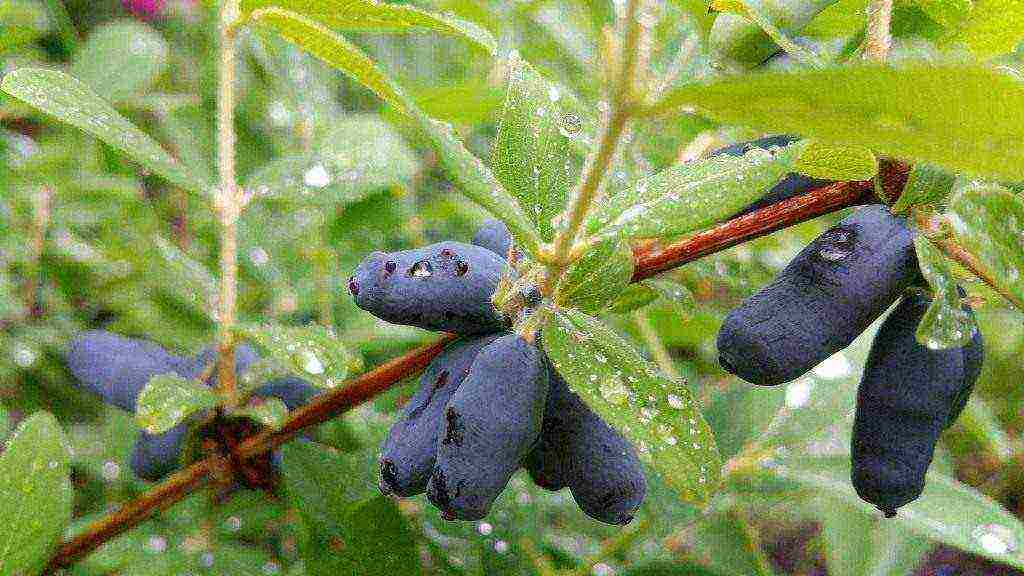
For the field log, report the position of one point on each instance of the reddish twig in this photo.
(364, 388)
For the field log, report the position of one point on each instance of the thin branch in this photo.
(659, 352)
(879, 35)
(41, 210)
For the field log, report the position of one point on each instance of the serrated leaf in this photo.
(532, 149)
(992, 28)
(658, 415)
(593, 282)
(945, 324)
(360, 155)
(957, 116)
(35, 494)
(692, 196)
(926, 185)
(270, 412)
(372, 16)
(311, 351)
(120, 59)
(832, 162)
(168, 399)
(633, 297)
(69, 100)
(988, 222)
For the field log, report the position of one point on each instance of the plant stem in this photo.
(879, 36)
(41, 209)
(228, 205)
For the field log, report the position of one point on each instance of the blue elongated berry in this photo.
(908, 395)
(792, 185)
(407, 458)
(490, 424)
(494, 236)
(445, 286)
(830, 293)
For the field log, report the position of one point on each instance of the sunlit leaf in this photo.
(21, 22)
(945, 324)
(738, 43)
(312, 351)
(830, 162)
(168, 399)
(988, 222)
(949, 13)
(926, 185)
(992, 28)
(270, 412)
(596, 279)
(657, 414)
(120, 59)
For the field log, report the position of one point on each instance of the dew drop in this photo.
(613, 391)
(317, 177)
(421, 269)
(311, 364)
(995, 538)
(798, 393)
(676, 402)
(484, 528)
(836, 244)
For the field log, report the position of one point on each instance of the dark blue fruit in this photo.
(494, 236)
(408, 455)
(830, 293)
(792, 185)
(908, 395)
(490, 424)
(445, 286)
(579, 450)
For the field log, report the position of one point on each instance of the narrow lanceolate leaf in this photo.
(956, 116)
(35, 495)
(945, 324)
(310, 351)
(531, 151)
(71, 101)
(692, 196)
(832, 162)
(358, 156)
(168, 399)
(593, 282)
(658, 415)
(371, 16)
(988, 223)
(271, 412)
(927, 185)
(120, 59)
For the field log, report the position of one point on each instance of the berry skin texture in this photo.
(494, 236)
(490, 424)
(407, 458)
(579, 450)
(908, 395)
(445, 286)
(827, 295)
(792, 185)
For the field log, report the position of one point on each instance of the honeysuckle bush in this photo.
(362, 127)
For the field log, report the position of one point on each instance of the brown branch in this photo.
(366, 387)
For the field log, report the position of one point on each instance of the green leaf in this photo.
(861, 544)
(658, 415)
(948, 511)
(740, 44)
(21, 22)
(372, 16)
(956, 116)
(831, 162)
(633, 297)
(35, 494)
(692, 196)
(994, 27)
(948, 13)
(270, 412)
(676, 295)
(926, 186)
(360, 155)
(531, 151)
(120, 59)
(312, 351)
(988, 221)
(945, 324)
(595, 280)
(168, 399)
(670, 568)
(73, 102)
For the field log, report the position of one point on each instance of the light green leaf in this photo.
(270, 412)
(831, 162)
(689, 197)
(988, 221)
(596, 279)
(71, 101)
(633, 297)
(674, 294)
(863, 544)
(658, 415)
(957, 116)
(312, 351)
(926, 185)
(945, 324)
(358, 156)
(168, 399)
(35, 494)
(372, 16)
(948, 13)
(531, 151)
(994, 27)
(120, 59)
(948, 511)
(21, 22)
(739, 44)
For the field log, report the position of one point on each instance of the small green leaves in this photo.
(926, 186)
(73, 102)
(988, 223)
(946, 324)
(596, 279)
(35, 495)
(831, 162)
(658, 415)
(312, 352)
(270, 412)
(120, 59)
(693, 196)
(169, 399)
(960, 117)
